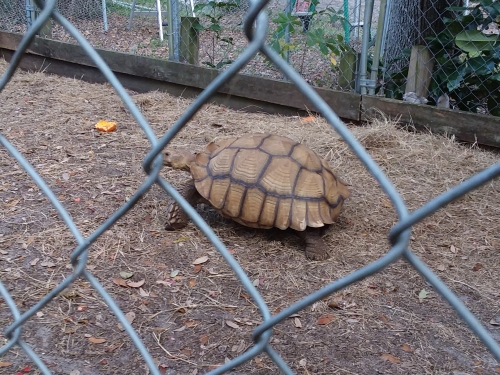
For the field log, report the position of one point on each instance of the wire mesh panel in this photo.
(445, 52)
(399, 236)
(88, 15)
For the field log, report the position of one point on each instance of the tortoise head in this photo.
(179, 158)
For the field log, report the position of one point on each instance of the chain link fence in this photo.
(312, 36)
(399, 236)
(445, 53)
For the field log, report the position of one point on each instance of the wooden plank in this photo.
(346, 105)
(420, 71)
(465, 126)
(139, 84)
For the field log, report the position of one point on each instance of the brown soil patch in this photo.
(378, 325)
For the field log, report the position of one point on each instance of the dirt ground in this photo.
(194, 318)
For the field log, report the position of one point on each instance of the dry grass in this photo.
(182, 319)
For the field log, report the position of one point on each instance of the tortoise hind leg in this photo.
(176, 217)
(315, 246)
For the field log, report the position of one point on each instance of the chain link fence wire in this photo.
(399, 235)
(445, 52)
(89, 16)
(311, 35)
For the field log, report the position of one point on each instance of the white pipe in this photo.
(160, 25)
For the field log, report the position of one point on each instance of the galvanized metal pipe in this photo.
(364, 47)
(378, 46)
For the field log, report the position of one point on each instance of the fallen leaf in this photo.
(453, 249)
(186, 352)
(307, 119)
(239, 348)
(245, 295)
(34, 261)
(192, 323)
(297, 323)
(232, 324)
(204, 339)
(81, 308)
(136, 284)
(197, 268)
(477, 267)
(422, 295)
(5, 364)
(201, 260)
(130, 316)
(192, 283)
(174, 273)
(493, 322)
(13, 203)
(334, 304)
(390, 358)
(407, 348)
(96, 340)
(126, 274)
(258, 361)
(352, 321)
(440, 267)
(112, 348)
(303, 362)
(120, 282)
(325, 319)
(143, 293)
(47, 264)
(386, 202)
(180, 329)
(181, 239)
(256, 283)
(40, 314)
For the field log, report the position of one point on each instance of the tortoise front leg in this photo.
(315, 246)
(177, 218)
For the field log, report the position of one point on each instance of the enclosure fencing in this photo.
(446, 52)
(442, 53)
(399, 235)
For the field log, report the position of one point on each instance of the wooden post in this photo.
(347, 68)
(189, 43)
(420, 71)
(46, 30)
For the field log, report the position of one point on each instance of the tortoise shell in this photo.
(265, 181)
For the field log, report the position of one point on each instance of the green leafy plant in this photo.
(331, 45)
(468, 60)
(214, 11)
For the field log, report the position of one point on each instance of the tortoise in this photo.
(262, 181)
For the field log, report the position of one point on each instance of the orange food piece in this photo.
(105, 126)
